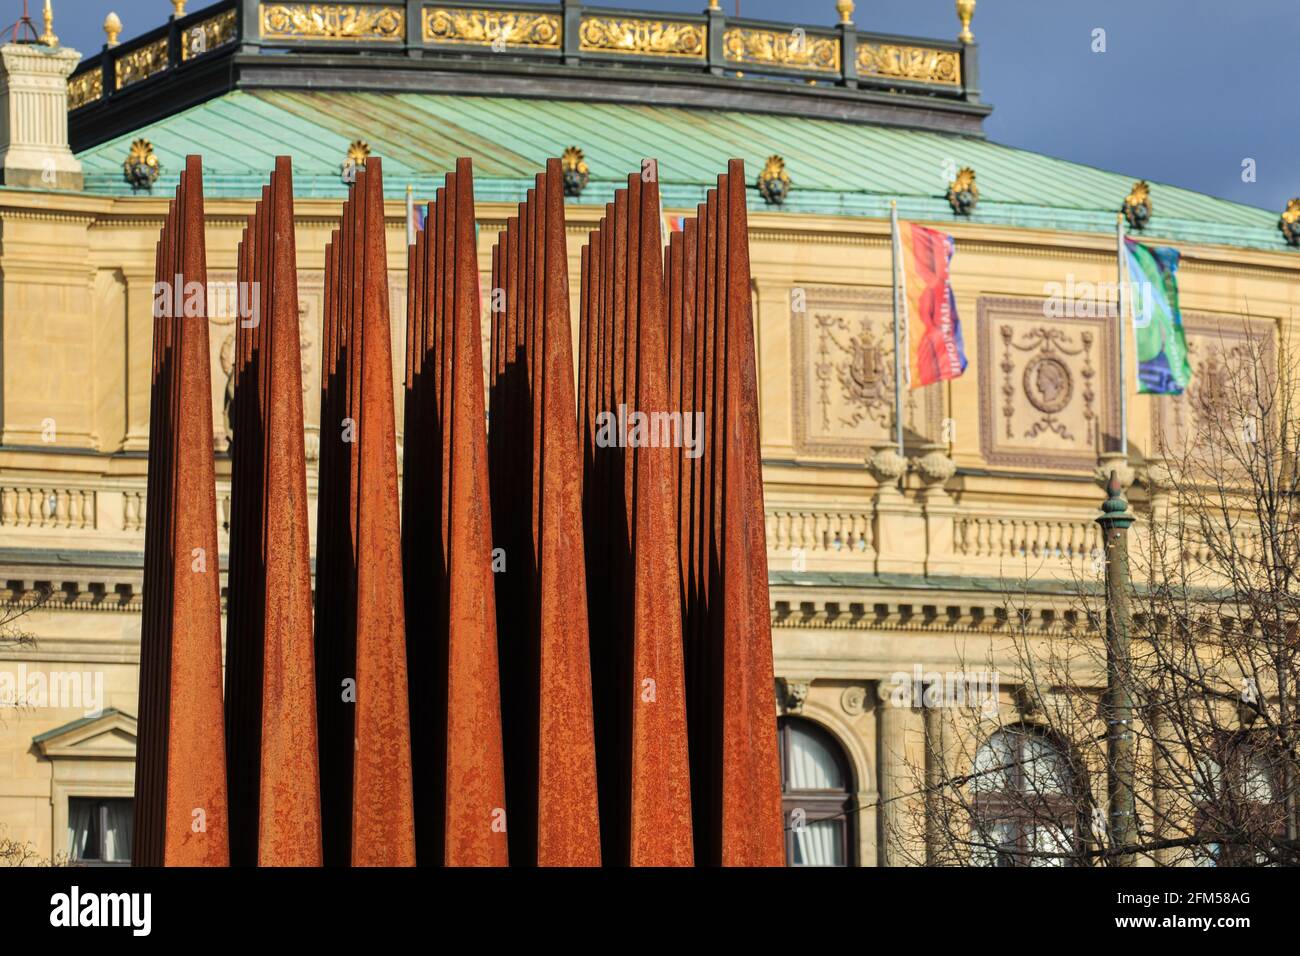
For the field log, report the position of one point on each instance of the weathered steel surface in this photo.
(678, 539)
(181, 799)
(750, 828)
(271, 741)
(566, 616)
(452, 639)
(366, 783)
(545, 662)
(661, 800)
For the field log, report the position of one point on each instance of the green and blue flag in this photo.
(1163, 368)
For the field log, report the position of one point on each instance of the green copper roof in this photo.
(837, 168)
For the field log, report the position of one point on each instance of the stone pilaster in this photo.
(898, 524)
(898, 724)
(935, 469)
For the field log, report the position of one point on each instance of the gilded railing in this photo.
(708, 42)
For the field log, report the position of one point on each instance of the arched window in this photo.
(1025, 801)
(1240, 812)
(816, 795)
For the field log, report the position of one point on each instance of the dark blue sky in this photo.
(1186, 90)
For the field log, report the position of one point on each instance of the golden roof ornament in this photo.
(845, 8)
(178, 8)
(963, 193)
(1290, 222)
(48, 37)
(1137, 205)
(576, 172)
(141, 168)
(774, 181)
(965, 10)
(112, 28)
(355, 161)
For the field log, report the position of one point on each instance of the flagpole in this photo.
(410, 214)
(1120, 261)
(898, 328)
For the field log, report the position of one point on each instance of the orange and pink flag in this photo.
(936, 351)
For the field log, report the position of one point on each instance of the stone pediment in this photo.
(110, 735)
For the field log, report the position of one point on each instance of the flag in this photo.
(1163, 368)
(935, 347)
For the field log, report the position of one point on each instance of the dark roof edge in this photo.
(172, 91)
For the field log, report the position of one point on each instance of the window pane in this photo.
(83, 829)
(819, 844)
(993, 844)
(117, 833)
(812, 764)
(993, 764)
(1044, 768)
(99, 830)
(1050, 839)
(1258, 783)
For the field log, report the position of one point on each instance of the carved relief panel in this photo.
(842, 360)
(1231, 357)
(1047, 386)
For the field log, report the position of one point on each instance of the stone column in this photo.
(34, 148)
(896, 721)
(937, 743)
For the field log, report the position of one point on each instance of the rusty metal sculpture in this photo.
(566, 615)
(271, 742)
(681, 511)
(180, 779)
(366, 776)
(447, 547)
(538, 523)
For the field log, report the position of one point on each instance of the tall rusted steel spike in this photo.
(537, 503)
(568, 829)
(181, 797)
(270, 700)
(382, 811)
(661, 795)
(475, 791)
(751, 818)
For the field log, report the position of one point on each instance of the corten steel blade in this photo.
(568, 829)
(245, 605)
(154, 648)
(382, 812)
(660, 828)
(335, 562)
(182, 800)
(752, 824)
(475, 791)
(290, 833)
